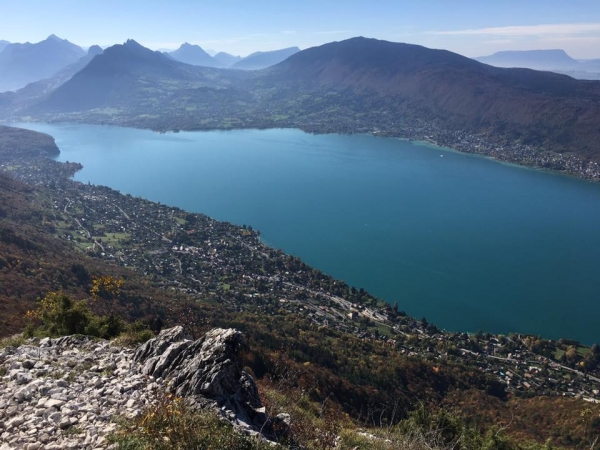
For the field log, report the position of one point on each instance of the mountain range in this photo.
(3, 44)
(21, 64)
(127, 74)
(356, 85)
(195, 55)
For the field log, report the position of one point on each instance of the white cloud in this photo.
(563, 29)
(584, 40)
(498, 41)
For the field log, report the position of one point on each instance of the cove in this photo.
(462, 240)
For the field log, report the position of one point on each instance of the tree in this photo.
(571, 354)
(106, 289)
(58, 315)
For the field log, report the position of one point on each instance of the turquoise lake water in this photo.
(464, 241)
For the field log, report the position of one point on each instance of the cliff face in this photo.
(52, 385)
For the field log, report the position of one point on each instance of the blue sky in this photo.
(472, 28)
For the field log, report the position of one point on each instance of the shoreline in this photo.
(420, 141)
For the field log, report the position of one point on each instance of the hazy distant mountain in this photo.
(3, 44)
(21, 64)
(551, 60)
(261, 60)
(225, 59)
(48, 84)
(93, 51)
(532, 59)
(590, 65)
(193, 54)
(581, 75)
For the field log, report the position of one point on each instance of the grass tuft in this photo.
(171, 424)
(13, 341)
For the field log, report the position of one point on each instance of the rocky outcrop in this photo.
(64, 393)
(208, 373)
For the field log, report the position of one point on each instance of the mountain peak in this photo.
(193, 54)
(225, 59)
(225, 54)
(54, 37)
(126, 55)
(132, 44)
(188, 46)
(95, 50)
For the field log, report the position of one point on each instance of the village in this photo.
(415, 129)
(228, 265)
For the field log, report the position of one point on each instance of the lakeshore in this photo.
(406, 128)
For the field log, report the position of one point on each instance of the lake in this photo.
(469, 243)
